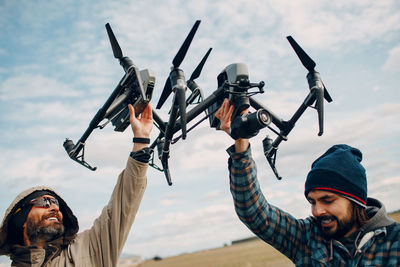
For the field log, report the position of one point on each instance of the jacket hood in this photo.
(69, 220)
(378, 216)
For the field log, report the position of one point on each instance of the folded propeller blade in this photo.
(199, 68)
(165, 93)
(327, 96)
(185, 46)
(304, 58)
(176, 62)
(114, 44)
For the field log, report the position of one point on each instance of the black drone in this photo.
(136, 88)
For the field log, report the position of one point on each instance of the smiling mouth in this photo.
(52, 219)
(326, 221)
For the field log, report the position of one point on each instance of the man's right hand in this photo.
(224, 114)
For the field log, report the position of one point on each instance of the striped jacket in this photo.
(300, 239)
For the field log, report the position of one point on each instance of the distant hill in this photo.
(395, 215)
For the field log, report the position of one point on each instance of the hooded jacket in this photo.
(377, 242)
(101, 245)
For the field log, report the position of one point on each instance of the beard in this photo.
(44, 231)
(343, 226)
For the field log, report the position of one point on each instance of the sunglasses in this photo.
(44, 202)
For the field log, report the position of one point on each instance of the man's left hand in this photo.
(141, 125)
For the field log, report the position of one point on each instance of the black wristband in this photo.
(142, 155)
(141, 140)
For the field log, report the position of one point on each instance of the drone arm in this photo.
(159, 121)
(166, 171)
(271, 147)
(275, 119)
(270, 150)
(196, 91)
(202, 106)
(180, 98)
(179, 86)
(169, 132)
(74, 150)
(320, 109)
(317, 87)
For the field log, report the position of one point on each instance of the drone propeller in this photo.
(307, 62)
(185, 46)
(125, 62)
(314, 81)
(192, 85)
(114, 43)
(199, 68)
(176, 62)
(165, 93)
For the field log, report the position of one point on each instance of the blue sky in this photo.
(57, 70)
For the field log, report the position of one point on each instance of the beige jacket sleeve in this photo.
(102, 244)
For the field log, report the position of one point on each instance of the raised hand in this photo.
(141, 125)
(224, 114)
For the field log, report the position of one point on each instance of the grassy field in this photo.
(249, 254)
(253, 253)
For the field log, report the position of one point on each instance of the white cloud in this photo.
(34, 86)
(39, 111)
(33, 169)
(171, 199)
(392, 63)
(331, 25)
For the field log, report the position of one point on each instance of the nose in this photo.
(54, 207)
(318, 210)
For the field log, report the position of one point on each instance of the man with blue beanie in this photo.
(346, 227)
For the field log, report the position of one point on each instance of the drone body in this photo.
(118, 112)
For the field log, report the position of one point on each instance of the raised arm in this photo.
(274, 226)
(102, 244)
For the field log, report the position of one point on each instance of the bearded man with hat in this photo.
(39, 229)
(346, 228)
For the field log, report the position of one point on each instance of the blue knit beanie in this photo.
(339, 170)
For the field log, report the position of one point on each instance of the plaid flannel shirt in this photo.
(300, 239)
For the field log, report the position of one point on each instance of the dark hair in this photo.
(359, 214)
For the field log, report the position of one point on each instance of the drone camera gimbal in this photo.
(235, 80)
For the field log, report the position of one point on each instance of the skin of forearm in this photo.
(241, 145)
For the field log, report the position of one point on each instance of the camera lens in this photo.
(263, 117)
(248, 125)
